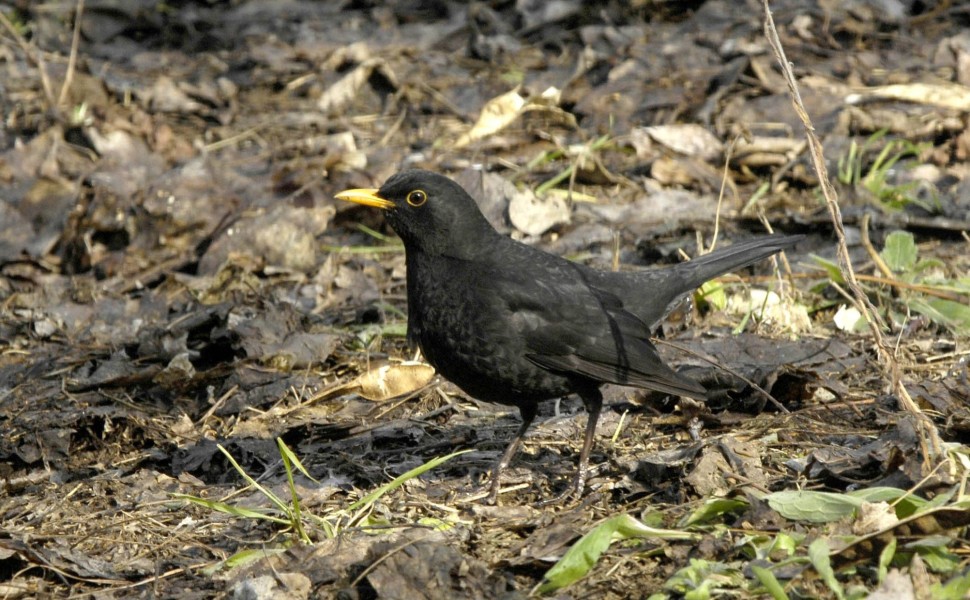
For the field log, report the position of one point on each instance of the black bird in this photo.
(511, 324)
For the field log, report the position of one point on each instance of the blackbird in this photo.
(511, 324)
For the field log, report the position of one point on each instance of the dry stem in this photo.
(931, 445)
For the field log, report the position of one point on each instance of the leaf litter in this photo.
(174, 275)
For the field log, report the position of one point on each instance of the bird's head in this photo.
(430, 212)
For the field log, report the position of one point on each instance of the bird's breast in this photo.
(466, 330)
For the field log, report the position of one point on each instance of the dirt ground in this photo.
(178, 286)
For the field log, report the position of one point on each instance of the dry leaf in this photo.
(768, 306)
(533, 215)
(873, 517)
(394, 380)
(340, 94)
(688, 139)
(501, 111)
(497, 114)
(946, 95)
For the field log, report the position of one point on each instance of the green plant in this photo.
(876, 178)
(942, 300)
(579, 155)
(583, 555)
(283, 513)
(922, 286)
(291, 514)
(777, 563)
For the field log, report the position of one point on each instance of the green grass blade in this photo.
(230, 509)
(885, 557)
(401, 479)
(818, 553)
(771, 583)
(272, 497)
(294, 512)
(294, 460)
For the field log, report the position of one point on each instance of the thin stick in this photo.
(72, 59)
(37, 58)
(929, 439)
(867, 244)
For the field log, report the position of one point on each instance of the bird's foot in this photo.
(571, 494)
(492, 498)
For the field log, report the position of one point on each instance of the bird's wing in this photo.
(576, 328)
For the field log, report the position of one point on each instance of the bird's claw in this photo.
(571, 494)
(492, 498)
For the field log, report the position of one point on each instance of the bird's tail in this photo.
(741, 254)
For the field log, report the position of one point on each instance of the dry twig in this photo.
(929, 437)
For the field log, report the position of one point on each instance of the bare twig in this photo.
(930, 441)
(72, 59)
(36, 57)
(774, 401)
(720, 195)
(867, 244)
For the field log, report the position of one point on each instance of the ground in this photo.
(195, 335)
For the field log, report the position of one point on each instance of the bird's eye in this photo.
(417, 198)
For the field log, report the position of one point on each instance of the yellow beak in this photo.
(365, 196)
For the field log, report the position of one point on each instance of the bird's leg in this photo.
(528, 412)
(593, 401)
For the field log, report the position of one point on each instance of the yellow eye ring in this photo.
(417, 198)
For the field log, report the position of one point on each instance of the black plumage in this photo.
(511, 324)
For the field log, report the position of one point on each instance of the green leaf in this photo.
(925, 264)
(294, 510)
(938, 560)
(953, 315)
(286, 453)
(813, 507)
(832, 269)
(628, 527)
(262, 490)
(241, 559)
(712, 509)
(939, 500)
(905, 503)
(399, 329)
(960, 285)
(818, 553)
(771, 583)
(784, 545)
(436, 524)
(929, 541)
(885, 558)
(713, 293)
(581, 556)
(900, 251)
(955, 589)
(245, 557)
(824, 507)
(876, 494)
(702, 579)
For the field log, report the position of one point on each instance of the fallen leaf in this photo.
(391, 381)
(497, 114)
(689, 139)
(533, 215)
(946, 95)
